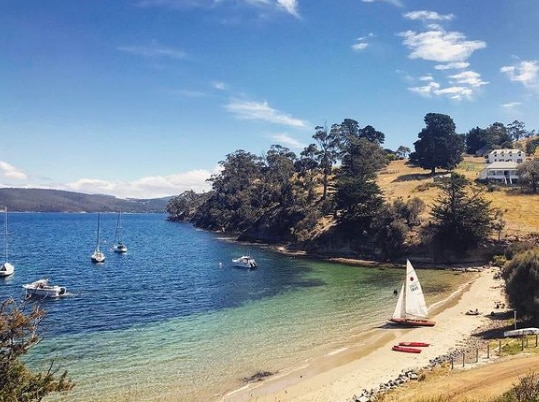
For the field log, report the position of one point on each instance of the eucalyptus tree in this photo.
(528, 175)
(498, 136)
(277, 173)
(438, 145)
(184, 206)
(236, 197)
(516, 130)
(403, 151)
(307, 167)
(327, 154)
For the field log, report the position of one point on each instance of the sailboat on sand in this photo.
(411, 309)
(98, 256)
(6, 268)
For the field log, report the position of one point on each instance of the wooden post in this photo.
(476, 355)
(515, 316)
(522, 344)
(452, 362)
(535, 340)
(463, 358)
(499, 347)
(488, 350)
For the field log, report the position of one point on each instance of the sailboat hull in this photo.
(412, 322)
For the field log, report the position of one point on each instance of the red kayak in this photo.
(414, 344)
(398, 348)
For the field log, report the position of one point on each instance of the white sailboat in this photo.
(98, 256)
(6, 269)
(119, 246)
(411, 309)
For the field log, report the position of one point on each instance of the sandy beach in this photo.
(338, 376)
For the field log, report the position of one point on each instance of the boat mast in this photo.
(98, 229)
(5, 235)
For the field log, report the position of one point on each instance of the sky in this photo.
(144, 98)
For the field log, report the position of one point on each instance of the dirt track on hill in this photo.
(481, 383)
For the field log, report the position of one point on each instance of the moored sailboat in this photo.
(98, 256)
(411, 309)
(6, 269)
(119, 245)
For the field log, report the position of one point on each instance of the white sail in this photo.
(400, 312)
(414, 301)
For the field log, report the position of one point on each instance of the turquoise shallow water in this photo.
(167, 322)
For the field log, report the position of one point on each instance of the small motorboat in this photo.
(41, 288)
(245, 261)
(406, 349)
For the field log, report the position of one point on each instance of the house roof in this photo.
(502, 165)
(507, 150)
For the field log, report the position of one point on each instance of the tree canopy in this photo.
(438, 145)
(462, 218)
(521, 275)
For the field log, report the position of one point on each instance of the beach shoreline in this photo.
(370, 362)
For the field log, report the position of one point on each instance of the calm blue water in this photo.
(168, 322)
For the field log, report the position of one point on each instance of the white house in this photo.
(506, 155)
(502, 166)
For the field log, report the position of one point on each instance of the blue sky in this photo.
(143, 98)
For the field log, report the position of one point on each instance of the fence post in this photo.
(488, 350)
(452, 362)
(499, 347)
(535, 340)
(522, 344)
(463, 357)
(476, 355)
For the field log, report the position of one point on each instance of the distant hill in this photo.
(41, 200)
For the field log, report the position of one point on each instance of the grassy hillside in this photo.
(521, 211)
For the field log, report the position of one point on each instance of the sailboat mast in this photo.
(98, 229)
(5, 235)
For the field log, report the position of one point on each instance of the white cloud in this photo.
(289, 6)
(221, 86)
(426, 90)
(470, 78)
(424, 15)
(362, 43)
(154, 51)
(146, 187)
(262, 111)
(440, 46)
(511, 105)
(525, 72)
(358, 47)
(456, 92)
(287, 141)
(452, 66)
(397, 3)
(11, 172)
(426, 78)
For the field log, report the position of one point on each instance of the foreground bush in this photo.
(18, 333)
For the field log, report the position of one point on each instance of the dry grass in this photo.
(520, 211)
